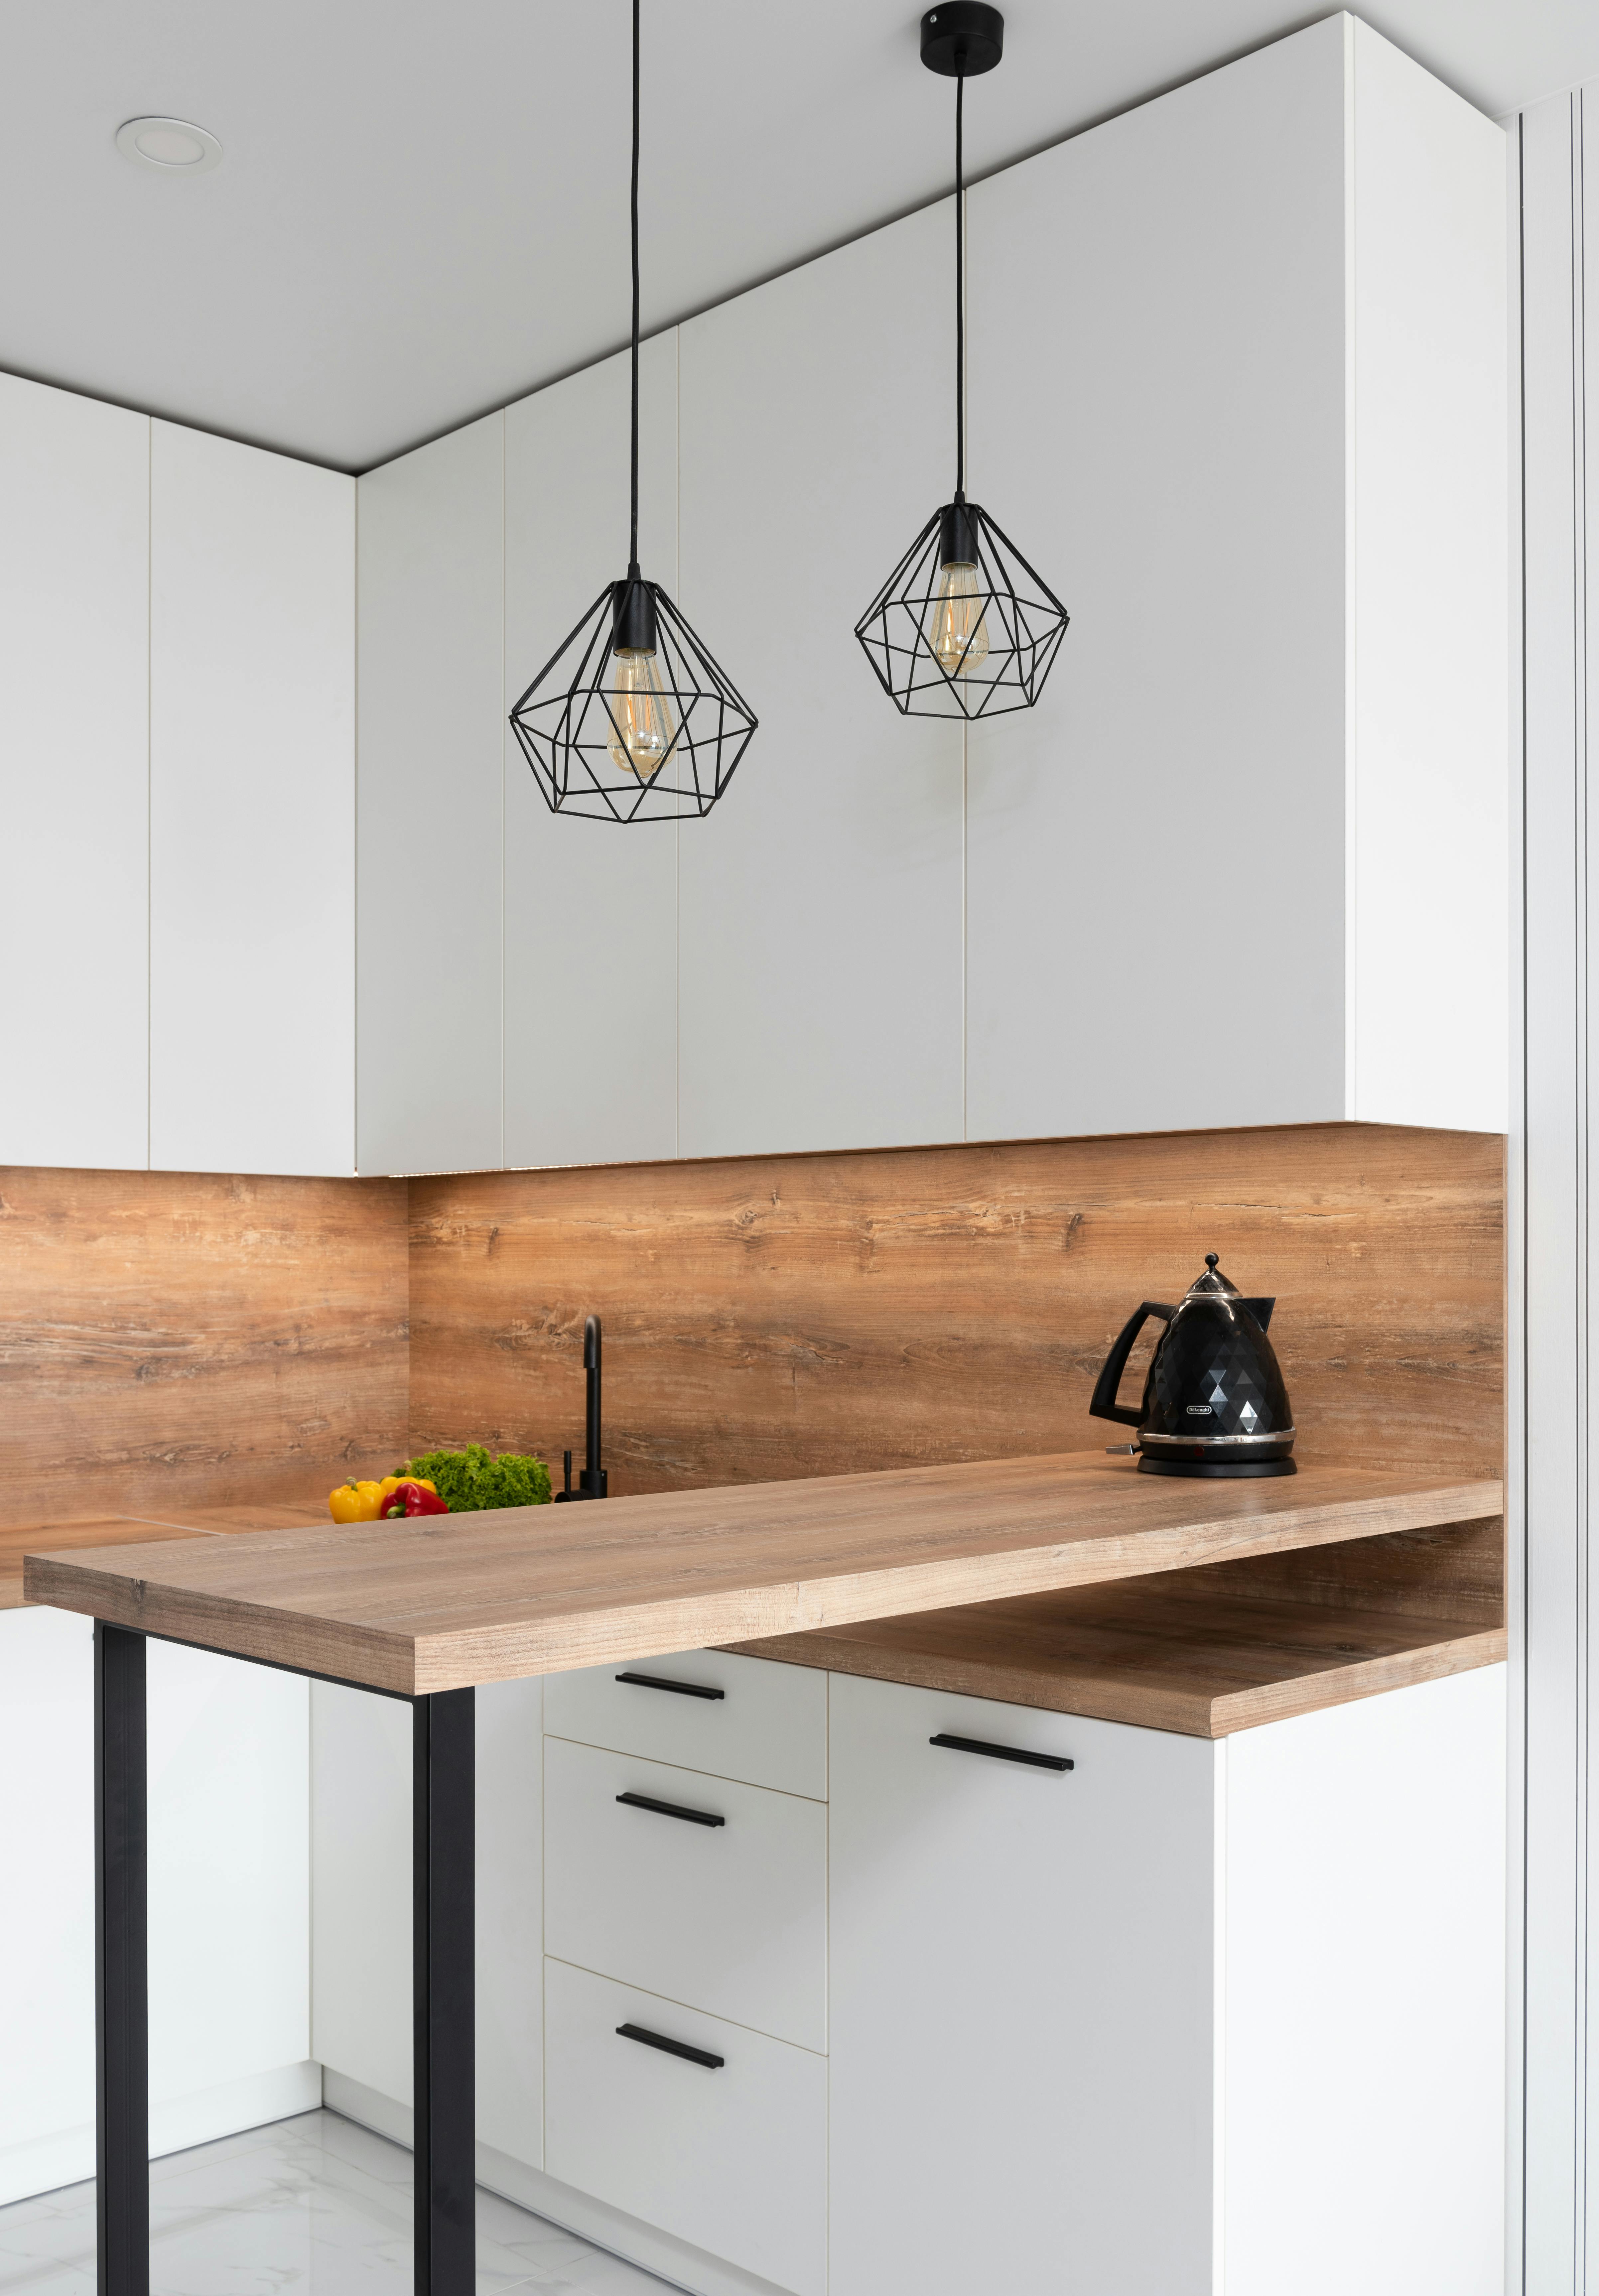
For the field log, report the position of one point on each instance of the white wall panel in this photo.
(253, 809)
(1428, 798)
(1156, 357)
(229, 1981)
(430, 797)
(820, 981)
(74, 778)
(591, 908)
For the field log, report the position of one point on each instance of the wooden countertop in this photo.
(17, 1539)
(447, 1601)
(1204, 1664)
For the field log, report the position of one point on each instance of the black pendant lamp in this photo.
(633, 720)
(963, 627)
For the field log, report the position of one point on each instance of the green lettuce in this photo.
(470, 1479)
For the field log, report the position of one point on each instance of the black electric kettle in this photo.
(1214, 1402)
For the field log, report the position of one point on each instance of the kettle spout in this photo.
(1260, 1309)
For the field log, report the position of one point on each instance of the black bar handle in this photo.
(672, 2048)
(1103, 1403)
(1002, 1753)
(683, 1689)
(670, 1810)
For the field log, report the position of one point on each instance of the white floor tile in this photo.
(316, 2206)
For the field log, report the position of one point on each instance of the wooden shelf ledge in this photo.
(1202, 1666)
(447, 1601)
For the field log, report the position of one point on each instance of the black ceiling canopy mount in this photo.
(962, 39)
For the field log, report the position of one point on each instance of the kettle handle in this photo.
(1104, 1404)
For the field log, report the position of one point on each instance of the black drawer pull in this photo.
(670, 1810)
(683, 1689)
(1002, 1753)
(672, 2048)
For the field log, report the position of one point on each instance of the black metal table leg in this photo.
(121, 1967)
(443, 1897)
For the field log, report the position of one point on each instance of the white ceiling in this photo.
(421, 210)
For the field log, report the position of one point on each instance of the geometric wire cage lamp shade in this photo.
(963, 627)
(633, 720)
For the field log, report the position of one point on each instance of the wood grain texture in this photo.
(16, 1540)
(1196, 1661)
(170, 1340)
(445, 1601)
(814, 1315)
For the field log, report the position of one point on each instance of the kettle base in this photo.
(1228, 1467)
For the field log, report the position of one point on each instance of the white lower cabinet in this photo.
(1021, 2069)
(1184, 2019)
(694, 1887)
(730, 2156)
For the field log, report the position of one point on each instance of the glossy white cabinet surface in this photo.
(728, 1917)
(229, 1938)
(74, 771)
(1021, 2062)
(361, 1903)
(767, 1727)
(432, 570)
(733, 2159)
(591, 908)
(820, 981)
(252, 818)
(1254, 434)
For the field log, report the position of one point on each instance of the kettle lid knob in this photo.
(1212, 1258)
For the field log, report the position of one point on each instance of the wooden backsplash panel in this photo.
(179, 1338)
(810, 1315)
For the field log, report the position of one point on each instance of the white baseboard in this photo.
(672, 2260)
(44, 2164)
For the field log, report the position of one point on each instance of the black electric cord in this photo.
(633, 514)
(960, 295)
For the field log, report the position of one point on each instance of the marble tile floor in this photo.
(316, 2206)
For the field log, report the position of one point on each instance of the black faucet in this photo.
(591, 1478)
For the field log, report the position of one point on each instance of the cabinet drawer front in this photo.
(730, 1917)
(733, 2159)
(768, 1726)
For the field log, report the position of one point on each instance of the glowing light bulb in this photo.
(959, 636)
(642, 726)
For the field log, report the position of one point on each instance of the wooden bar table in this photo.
(423, 1611)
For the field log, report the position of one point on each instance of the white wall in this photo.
(1555, 199)
(229, 1922)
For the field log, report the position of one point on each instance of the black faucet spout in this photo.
(591, 1478)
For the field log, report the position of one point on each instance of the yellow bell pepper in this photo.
(354, 1502)
(392, 1483)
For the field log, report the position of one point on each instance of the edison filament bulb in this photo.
(959, 636)
(641, 724)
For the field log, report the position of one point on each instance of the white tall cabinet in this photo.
(74, 766)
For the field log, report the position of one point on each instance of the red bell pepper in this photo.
(411, 1498)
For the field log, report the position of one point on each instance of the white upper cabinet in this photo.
(1237, 366)
(590, 907)
(74, 770)
(252, 820)
(820, 981)
(432, 653)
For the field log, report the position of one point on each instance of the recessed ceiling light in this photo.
(173, 147)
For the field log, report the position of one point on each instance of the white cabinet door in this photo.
(1021, 1986)
(1236, 370)
(229, 1990)
(590, 907)
(361, 1904)
(74, 774)
(707, 1891)
(731, 2155)
(430, 646)
(252, 810)
(820, 981)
